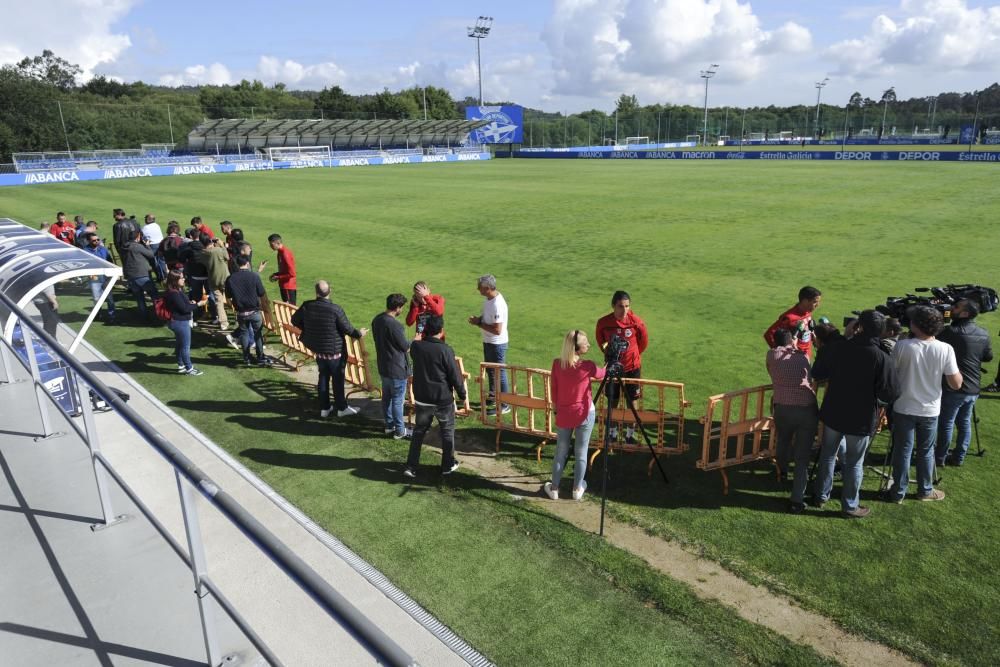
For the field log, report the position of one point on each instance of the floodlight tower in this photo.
(479, 32)
(820, 85)
(707, 74)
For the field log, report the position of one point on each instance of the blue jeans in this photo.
(496, 353)
(250, 332)
(182, 341)
(332, 370)
(140, 287)
(956, 409)
(904, 429)
(96, 287)
(853, 448)
(563, 436)
(425, 415)
(393, 395)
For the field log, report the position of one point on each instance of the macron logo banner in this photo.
(505, 125)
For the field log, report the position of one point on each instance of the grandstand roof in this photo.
(228, 134)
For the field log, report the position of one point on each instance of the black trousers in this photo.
(425, 415)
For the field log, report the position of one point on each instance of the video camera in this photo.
(942, 298)
(613, 352)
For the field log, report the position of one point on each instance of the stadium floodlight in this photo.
(707, 74)
(820, 85)
(479, 32)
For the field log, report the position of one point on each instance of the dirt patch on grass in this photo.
(709, 580)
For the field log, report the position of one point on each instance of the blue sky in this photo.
(562, 55)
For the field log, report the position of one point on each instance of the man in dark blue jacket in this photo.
(972, 348)
(436, 381)
(393, 364)
(323, 326)
(861, 377)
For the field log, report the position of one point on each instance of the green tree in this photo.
(49, 68)
(626, 104)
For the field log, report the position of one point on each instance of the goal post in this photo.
(635, 141)
(306, 154)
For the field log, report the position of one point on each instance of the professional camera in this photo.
(984, 297)
(615, 349)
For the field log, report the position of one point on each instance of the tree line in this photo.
(44, 108)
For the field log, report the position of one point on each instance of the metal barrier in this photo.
(357, 372)
(742, 435)
(190, 480)
(661, 405)
(540, 421)
(463, 411)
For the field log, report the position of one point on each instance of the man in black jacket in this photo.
(245, 291)
(137, 260)
(324, 325)
(393, 365)
(861, 377)
(972, 348)
(436, 380)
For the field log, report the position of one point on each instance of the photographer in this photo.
(798, 320)
(972, 347)
(795, 411)
(921, 362)
(861, 376)
(574, 410)
(630, 328)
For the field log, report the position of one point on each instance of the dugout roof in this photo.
(230, 134)
(31, 260)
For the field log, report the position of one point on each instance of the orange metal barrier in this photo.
(357, 371)
(661, 407)
(464, 410)
(535, 399)
(738, 428)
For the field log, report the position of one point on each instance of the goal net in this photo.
(696, 138)
(634, 141)
(308, 155)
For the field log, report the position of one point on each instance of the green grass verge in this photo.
(711, 252)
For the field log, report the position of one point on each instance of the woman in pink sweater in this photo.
(574, 410)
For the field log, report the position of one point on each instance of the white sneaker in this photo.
(553, 494)
(325, 413)
(232, 341)
(578, 492)
(347, 412)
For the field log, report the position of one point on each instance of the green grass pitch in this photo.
(711, 252)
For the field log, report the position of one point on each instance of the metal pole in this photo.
(847, 114)
(743, 127)
(616, 127)
(819, 89)
(479, 68)
(170, 123)
(658, 127)
(424, 90)
(63, 121)
(670, 115)
(706, 75)
(975, 121)
(196, 551)
(94, 445)
(885, 109)
(727, 122)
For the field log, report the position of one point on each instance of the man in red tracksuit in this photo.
(630, 328)
(423, 305)
(798, 320)
(285, 275)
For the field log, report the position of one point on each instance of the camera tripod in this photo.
(616, 387)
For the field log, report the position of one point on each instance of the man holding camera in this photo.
(137, 261)
(921, 362)
(798, 320)
(436, 381)
(493, 323)
(630, 328)
(861, 377)
(972, 347)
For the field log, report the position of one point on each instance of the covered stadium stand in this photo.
(230, 135)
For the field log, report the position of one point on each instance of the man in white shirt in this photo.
(493, 323)
(921, 363)
(152, 233)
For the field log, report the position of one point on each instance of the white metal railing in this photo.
(190, 480)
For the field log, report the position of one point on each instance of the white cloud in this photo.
(940, 34)
(270, 70)
(215, 74)
(79, 31)
(655, 47)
